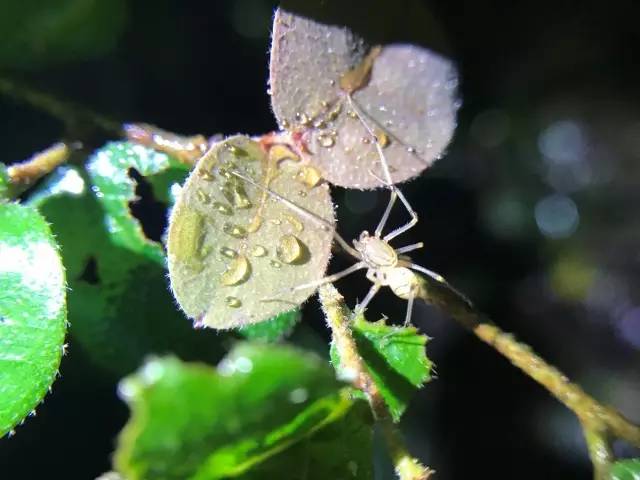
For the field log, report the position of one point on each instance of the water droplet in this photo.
(228, 252)
(326, 140)
(289, 249)
(366, 140)
(233, 302)
(237, 271)
(333, 114)
(256, 223)
(259, 251)
(206, 175)
(234, 230)
(382, 138)
(302, 193)
(222, 208)
(295, 222)
(411, 150)
(233, 190)
(303, 119)
(203, 197)
(275, 264)
(309, 176)
(236, 151)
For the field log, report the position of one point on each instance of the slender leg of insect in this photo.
(395, 191)
(322, 281)
(387, 181)
(370, 294)
(407, 318)
(440, 279)
(409, 248)
(302, 211)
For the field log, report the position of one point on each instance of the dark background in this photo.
(533, 212)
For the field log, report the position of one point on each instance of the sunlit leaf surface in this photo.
(32, 312)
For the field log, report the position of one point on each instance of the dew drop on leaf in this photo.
(237, 272)
(289, 249)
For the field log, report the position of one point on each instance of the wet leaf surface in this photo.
(405, 94)
(234, 251)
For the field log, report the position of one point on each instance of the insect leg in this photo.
(303, 212)
(407, 318)
(370, 294)
(387, 181)
(409, 248)
(438, 278)
(322, 281)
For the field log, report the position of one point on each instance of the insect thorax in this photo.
(375, 252)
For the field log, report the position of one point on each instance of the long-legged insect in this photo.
(386, 266)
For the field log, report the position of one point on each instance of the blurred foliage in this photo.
(33, 315)
(190, 421)
(34, 34)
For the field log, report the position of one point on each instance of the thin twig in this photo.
(599, 422)
(24, 174)
(353, 369)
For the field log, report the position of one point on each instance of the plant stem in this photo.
(353, 369)
(26, 173)
(599, 422)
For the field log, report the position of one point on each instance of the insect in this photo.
(386, 266)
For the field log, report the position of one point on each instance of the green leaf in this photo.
(274, 329)
(190, 421)
(628, 469)
(120, 307)
(32, 312)
(396, 358)
(115, 189)
(35, 33)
